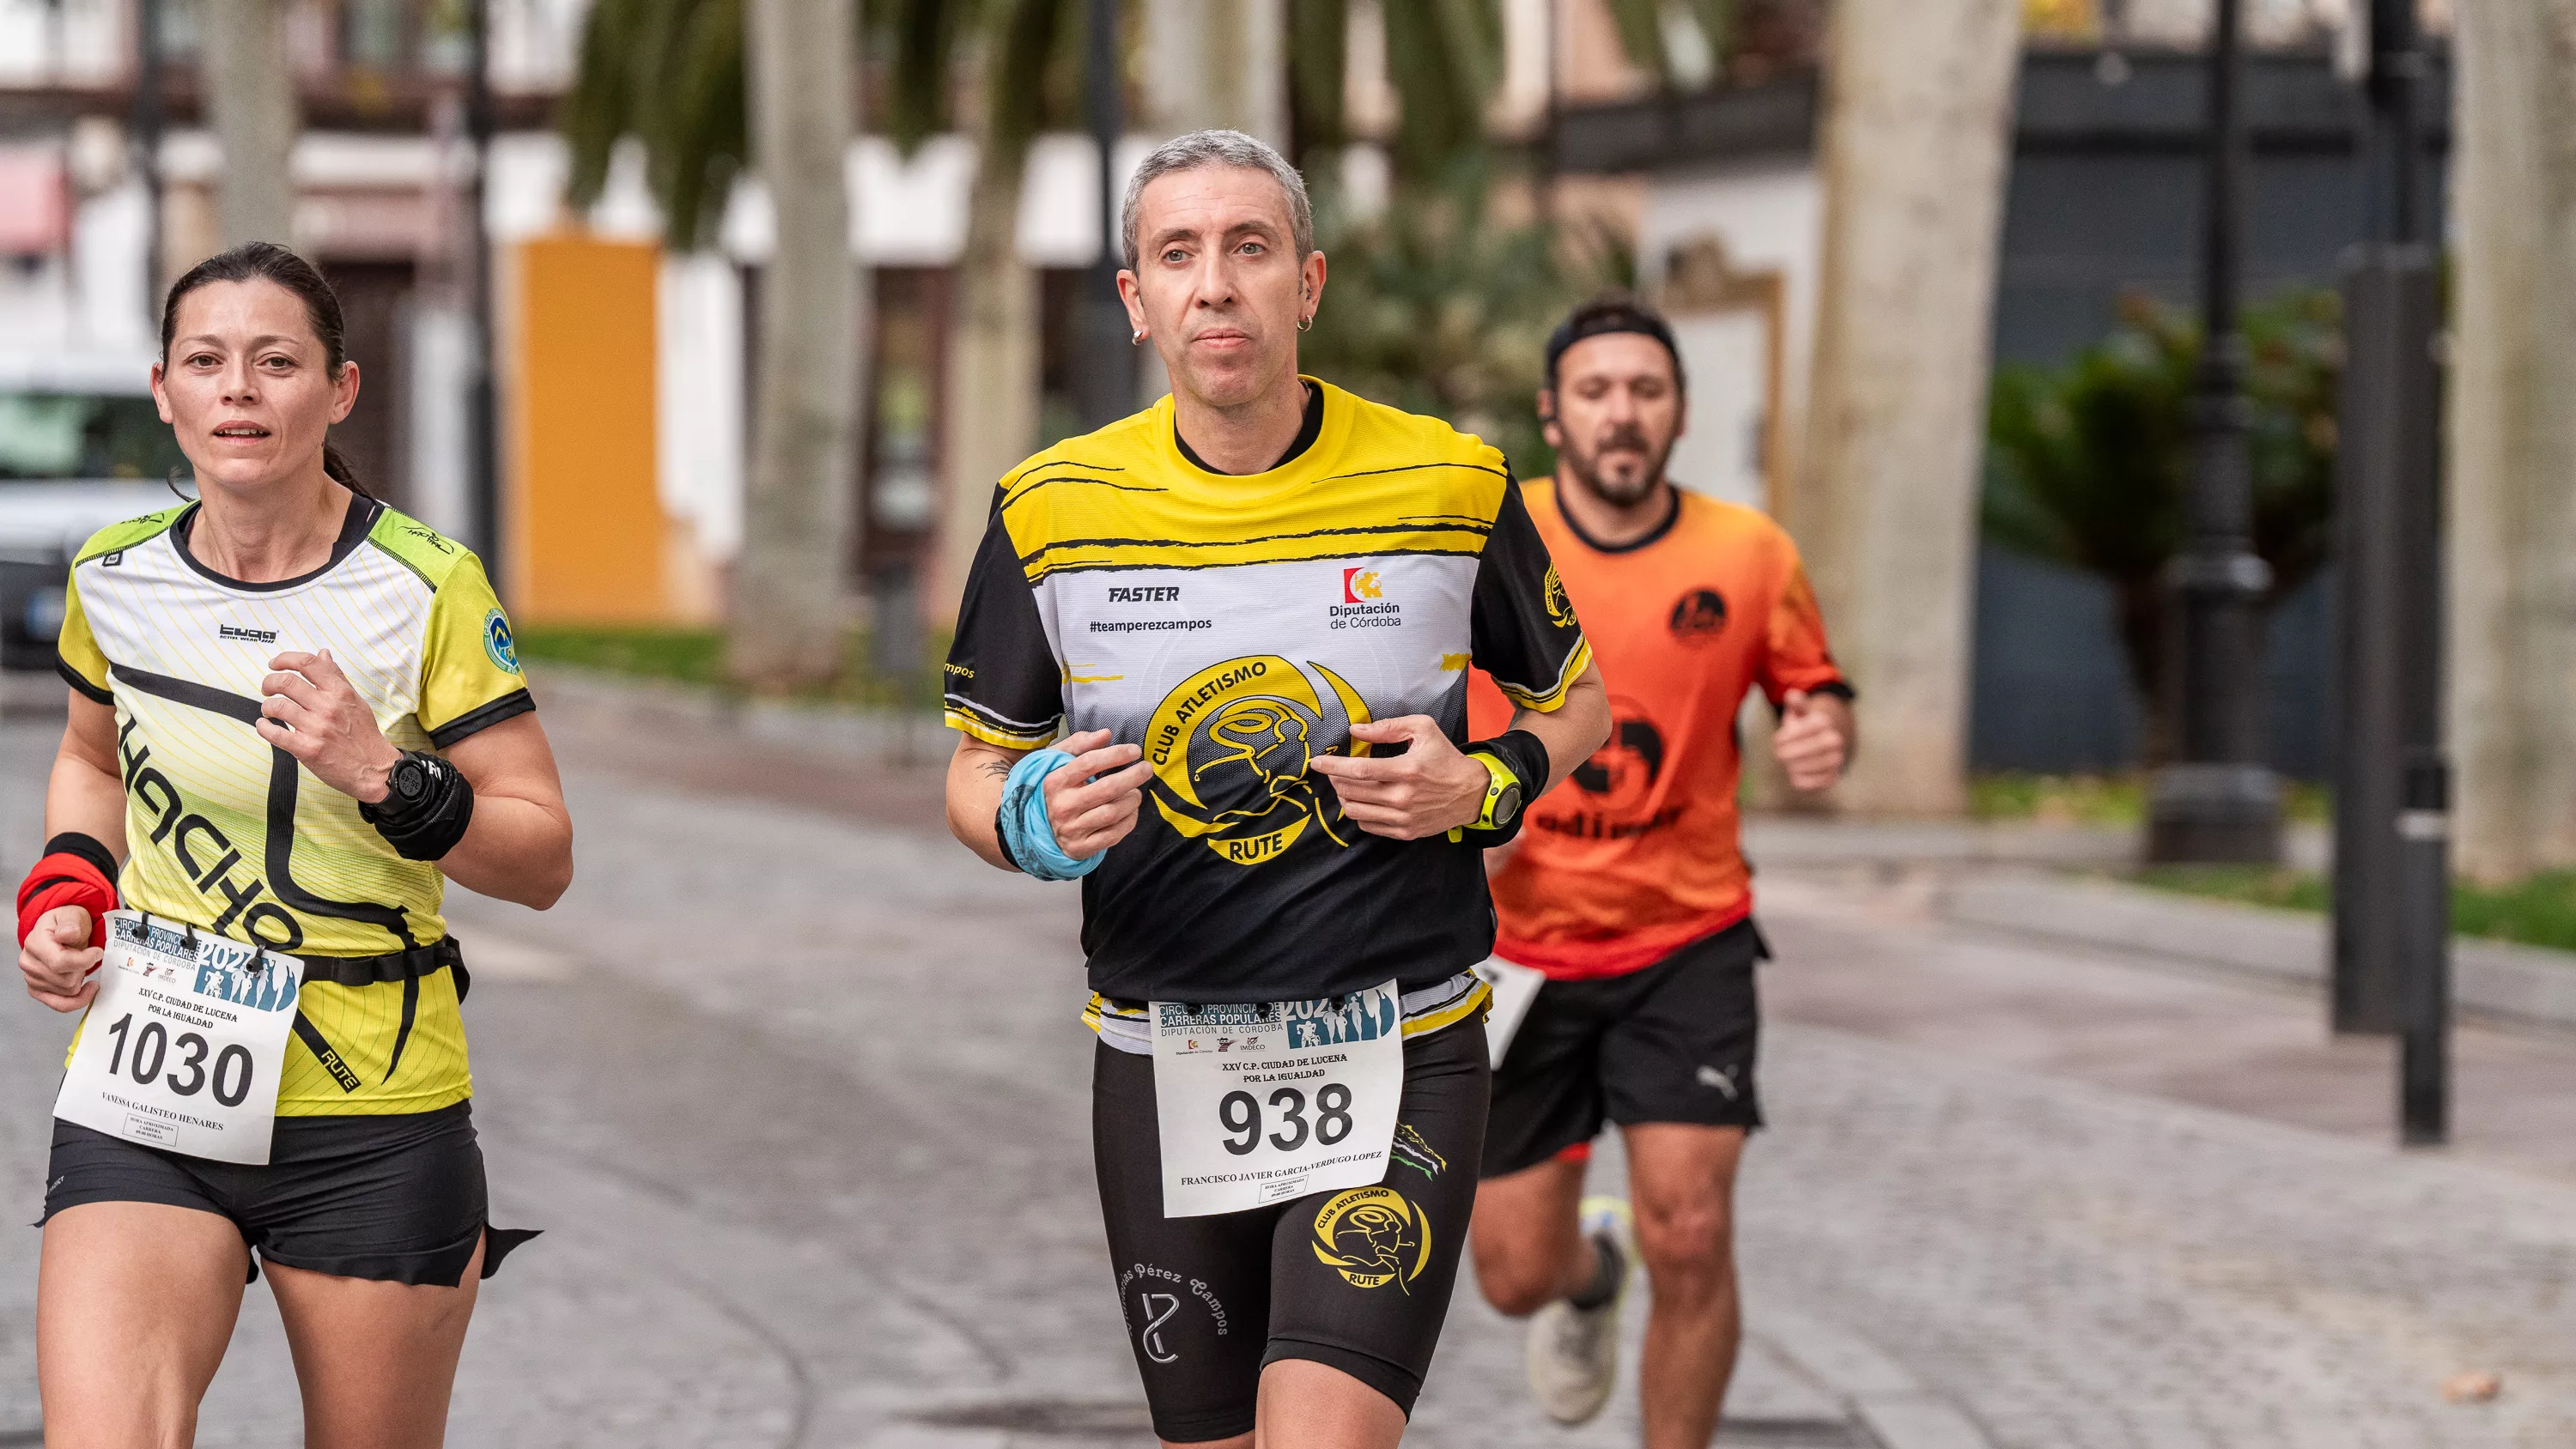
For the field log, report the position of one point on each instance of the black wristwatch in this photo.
(410, 780)
(414, 783)
(409, 783)
(427, 806)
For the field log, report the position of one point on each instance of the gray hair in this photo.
(1220, 148)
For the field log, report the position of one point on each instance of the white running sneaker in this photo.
(1574, 1352)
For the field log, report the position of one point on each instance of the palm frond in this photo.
(1640, 24)
(2088, 465)
(668, 73)
(1443, 58)
(1716, 21)
(1319, 37)
(700, 138)
(922, 37)
(597, 110)
(1024, 41)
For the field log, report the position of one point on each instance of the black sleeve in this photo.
(1002, 683)
(1526, 635)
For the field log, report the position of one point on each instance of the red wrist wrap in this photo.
(65, 879)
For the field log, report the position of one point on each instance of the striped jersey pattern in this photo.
(227, 833)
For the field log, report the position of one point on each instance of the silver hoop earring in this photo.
(1306, 323)
(1135, 337)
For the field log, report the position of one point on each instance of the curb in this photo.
(1790, 838)
(2495, 979)
(1896, 1409)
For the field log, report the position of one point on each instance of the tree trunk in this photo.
(2146, 621)
(1217, 63)
(1916, 138)
(250, 103)
(790, 579)
(2512, 441)
(992, 416)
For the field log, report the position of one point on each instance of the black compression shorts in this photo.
(1670, 1042)
(399, 1199)
(1210, 1301)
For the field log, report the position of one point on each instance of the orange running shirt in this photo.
(1636, 855)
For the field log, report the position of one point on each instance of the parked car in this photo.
(81, 447)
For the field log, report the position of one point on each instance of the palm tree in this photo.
(250, 102)
(2088, 466)
(1443, 61)
(1914, 148)
(787, 620)
(709, 87)
(991, 422)
(671, 73)
(2509, 449)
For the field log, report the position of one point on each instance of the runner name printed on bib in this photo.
(1515, 986)
(1261, 1102)
(184, 1043)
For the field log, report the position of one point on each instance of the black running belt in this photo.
(406, 967)
(429, 960)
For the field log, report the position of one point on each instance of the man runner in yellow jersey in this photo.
(1251, 610)
(1629, 893)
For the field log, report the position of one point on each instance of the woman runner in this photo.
(294, 711)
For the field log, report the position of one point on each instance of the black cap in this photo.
(1611, 312)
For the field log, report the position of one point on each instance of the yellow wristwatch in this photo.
(1502, 796)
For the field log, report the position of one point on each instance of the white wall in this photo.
(68, 42)
(701, 407)
(440, 370)
(1722, 447)
(109, 236)
(1769, 216)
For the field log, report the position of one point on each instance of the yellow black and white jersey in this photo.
(1235, 627)
(227, 833)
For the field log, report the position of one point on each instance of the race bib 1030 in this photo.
(184, 1042)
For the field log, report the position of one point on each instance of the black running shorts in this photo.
(1209, 1301)
(1671, 1042)
(398, 1199)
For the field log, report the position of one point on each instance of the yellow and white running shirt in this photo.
(227, 833)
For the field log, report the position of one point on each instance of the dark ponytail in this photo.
(339, 471)
(261, 261)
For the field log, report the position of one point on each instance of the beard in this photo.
(1623, 469)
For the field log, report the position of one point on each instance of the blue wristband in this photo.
(1027, 834)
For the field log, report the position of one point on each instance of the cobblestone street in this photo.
(798, 1091)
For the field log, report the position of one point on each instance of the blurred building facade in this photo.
(624, 367)
(2103, 201)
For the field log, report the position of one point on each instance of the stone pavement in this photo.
(796, 1089)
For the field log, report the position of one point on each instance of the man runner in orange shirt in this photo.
(1628, 891)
